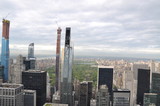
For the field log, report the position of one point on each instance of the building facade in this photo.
(16, 69)
(29, 98)
(85, 93)
(11, 94)
(121, 97)
(155, 83)
(151, 99)
(1, 73)
(103, 97)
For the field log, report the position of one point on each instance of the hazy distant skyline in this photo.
(122, 28)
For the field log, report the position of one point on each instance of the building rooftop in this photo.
(53, 104)
(31, 91)
(6, 21)
(100, 66)
(10, 85)
(121, 90)
(151, 93)
(34, 71)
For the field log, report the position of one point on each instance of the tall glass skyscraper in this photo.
(5, 48)
(31, 50)
(66, 75)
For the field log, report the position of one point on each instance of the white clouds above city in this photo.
(99, 27)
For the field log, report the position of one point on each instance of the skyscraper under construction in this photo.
(58, 58)
(5, 47)
(66, 75)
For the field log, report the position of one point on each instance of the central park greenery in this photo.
(81, 71)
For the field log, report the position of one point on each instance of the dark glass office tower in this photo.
(105, 77)
(143, 84)
(36, 80)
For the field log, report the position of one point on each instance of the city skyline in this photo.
(99, 28)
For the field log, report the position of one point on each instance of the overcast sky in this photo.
(129, 28)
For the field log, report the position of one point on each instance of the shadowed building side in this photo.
(5, 48)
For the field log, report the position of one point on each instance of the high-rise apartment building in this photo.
(36, 80)
(66, 75)
(29, 98)
(5, 48)
(11, 94)
(58, 48)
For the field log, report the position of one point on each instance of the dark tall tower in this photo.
(143, 84)
(5, 48)
(58, 48)
(31, 50)
(105, 77)
(66, 75)
(36, 80)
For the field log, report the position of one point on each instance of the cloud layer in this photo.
(99, 27)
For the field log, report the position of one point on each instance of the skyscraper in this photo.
(105, 77)
(58, 58)
(31, 50)
(66, 75)
(36, 80)
(143, 84)
(5, 48)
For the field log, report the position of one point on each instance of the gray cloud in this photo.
(104, 27)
